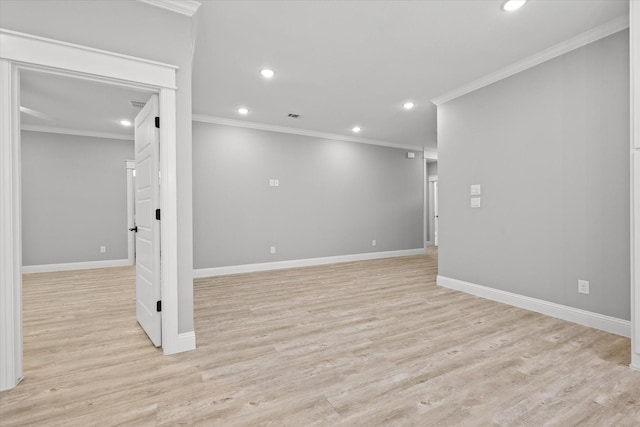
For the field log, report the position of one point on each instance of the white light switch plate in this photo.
(475, 202)
(475, 189)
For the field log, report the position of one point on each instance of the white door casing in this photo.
(634, 21)
(432, 179)
(130, 166)
(435, 213)
(25, 51)
(147, 191)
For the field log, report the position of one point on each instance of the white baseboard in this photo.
(186, 342)
(278, 265)
(571, 314)
(47, 268)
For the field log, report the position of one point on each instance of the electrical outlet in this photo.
(373, 243)
(273, 249)
(103, 249)
(583, 287)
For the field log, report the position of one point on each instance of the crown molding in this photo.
(576, 42)
(295, 131)
(183, 7)
(76, 132)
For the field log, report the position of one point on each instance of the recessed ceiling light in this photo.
(125, 123)
(408, 105)
(267, 73)
(356, 129)
(511, 5)
(243, 110)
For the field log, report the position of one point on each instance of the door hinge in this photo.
(158, 214)
(158, 122)
(158, 306)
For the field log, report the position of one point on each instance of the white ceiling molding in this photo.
(183, 7)
(76, 132)
(295, 131)
(576, 42)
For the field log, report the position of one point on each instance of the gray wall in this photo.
(74, 198)
(334, 197)
(137, 29)
(550, 147)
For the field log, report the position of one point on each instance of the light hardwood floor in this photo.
(372, 343)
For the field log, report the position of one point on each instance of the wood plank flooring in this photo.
(373, 343)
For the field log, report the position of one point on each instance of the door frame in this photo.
(25, 51)
(634, 26)
(432, 179)
(436, 211)
(130, 166)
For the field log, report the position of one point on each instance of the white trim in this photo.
(425, 205)
(296, 131)
(308, 262)
(183, 7)
(76, 132)
(29, 49)
(571, 314)
(130, 166)
(597, 33)
(185, 342)
(430, 153)
(635, 255)
(433, 178)
(10, 229)
(22, 51)
(634, 20)
(169, 223)
(86, 265)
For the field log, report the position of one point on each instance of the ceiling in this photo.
(338, 63)
(346, 63)
(82, 105)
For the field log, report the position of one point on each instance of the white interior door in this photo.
(147, 200)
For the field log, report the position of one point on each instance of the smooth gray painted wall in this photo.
(74, 198)
(144, 31)
(334, 197)
(550, 147)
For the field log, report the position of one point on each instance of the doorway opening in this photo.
(25, 52)
(75, 219)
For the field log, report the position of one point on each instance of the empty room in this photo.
(320, 213)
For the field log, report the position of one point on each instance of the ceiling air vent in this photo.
(137, 104)
(294, 116)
